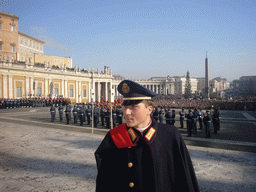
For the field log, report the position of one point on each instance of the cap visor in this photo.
(131, 102)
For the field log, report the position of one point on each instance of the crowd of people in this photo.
(32, 102)
(247, 102)
(88, 114)
(100, 114)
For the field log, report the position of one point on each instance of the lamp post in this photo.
(92, 96)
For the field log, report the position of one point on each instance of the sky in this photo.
(139, 39)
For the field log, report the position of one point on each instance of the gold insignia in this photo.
(125, 88)
(132, 134)
(150, 133)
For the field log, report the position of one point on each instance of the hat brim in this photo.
(131, 102)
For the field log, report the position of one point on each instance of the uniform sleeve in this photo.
(105, 160)
(189, 173)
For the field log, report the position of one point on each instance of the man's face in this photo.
(138, 115)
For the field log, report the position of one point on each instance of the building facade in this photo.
(26, 72)
(9, 43)
(20, 47)
(245, 85)
(18, 80)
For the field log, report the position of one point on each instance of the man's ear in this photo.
(150, 108)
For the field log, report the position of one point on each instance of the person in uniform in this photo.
(173, 117)
(88, 114)
(141, 154)
(218, 122)
(75, 114)
(200, 119)
(84, 112)
(195, 114)
(107, 117)
(61, 109)
(53, 112)
(215, 119)
(182, 115)
(119, 115)
(68, 113)
(81, 115)
(156, 114)
(207, 123)
(168, 116)
(190, 122)
(102, 114)
(114, 116)
(161, 115)
(96, 116)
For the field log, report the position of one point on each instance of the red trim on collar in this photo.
(121, 136)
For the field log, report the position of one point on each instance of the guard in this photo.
(141, 154)
(75, 114)
(61, 109)
(207, 124)
(68, 113)
(53, 112)
(182, 115)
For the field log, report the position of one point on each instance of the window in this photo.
(84, 93)
(55, 61)
(0, 25)
(0, 46)
(71, 93)
(19, 92)
(12, 28)
(39, 91)
(12, 48)
(56, 91)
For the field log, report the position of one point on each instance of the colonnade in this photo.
(160, 87)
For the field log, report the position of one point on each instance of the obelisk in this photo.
(206, 78)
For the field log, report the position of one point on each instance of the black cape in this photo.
(160, 163)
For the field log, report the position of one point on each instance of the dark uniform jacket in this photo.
(156, 161)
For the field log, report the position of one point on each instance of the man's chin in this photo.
(129, 124)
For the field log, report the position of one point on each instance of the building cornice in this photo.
(8, 15)
(28, 36)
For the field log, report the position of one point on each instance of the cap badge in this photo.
(125, 88)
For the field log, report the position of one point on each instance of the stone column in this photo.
(89, 92)
(76, 91)
(46, 87)
(62, 90)
(80, 91)
(27, 87)
(31, 86)
(106, 91)
(111, 97)
(98, 91)
(10, 87)
(66, 88)
(5, 89)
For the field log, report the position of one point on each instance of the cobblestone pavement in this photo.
(39, 158)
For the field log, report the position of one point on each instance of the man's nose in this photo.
(127, 111)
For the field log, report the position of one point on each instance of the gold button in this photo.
(129, 147)
(131, 184)
(130, 165)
